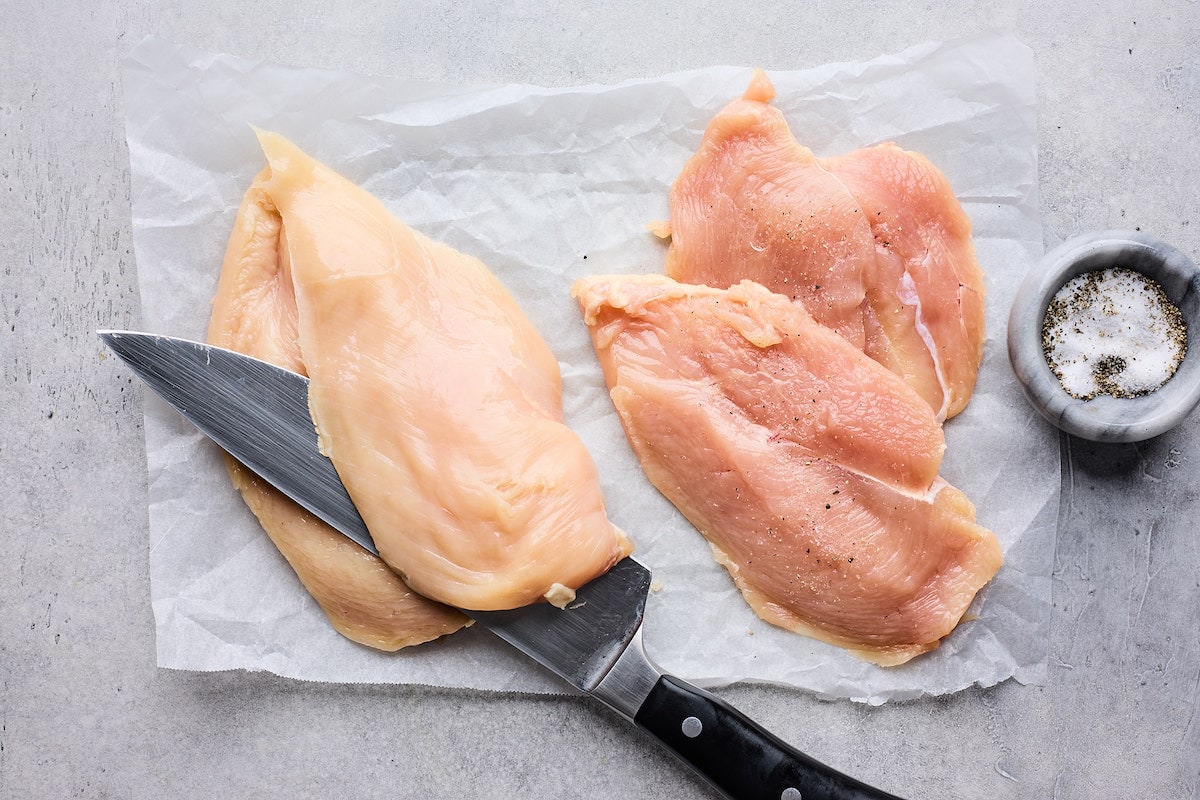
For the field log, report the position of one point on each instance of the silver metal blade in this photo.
(582, 641)
(256, 411)
(259, 414)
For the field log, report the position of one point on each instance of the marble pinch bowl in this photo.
(1104, 418)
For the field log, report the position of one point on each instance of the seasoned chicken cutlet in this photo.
(874, 243)
(810, 468)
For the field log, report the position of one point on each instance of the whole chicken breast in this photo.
(437, 401)
(254, 312)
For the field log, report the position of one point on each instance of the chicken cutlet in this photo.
(810, 468)
(874, 243)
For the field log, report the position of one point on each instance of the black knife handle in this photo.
(736, 755)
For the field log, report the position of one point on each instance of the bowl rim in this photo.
(1106, 418)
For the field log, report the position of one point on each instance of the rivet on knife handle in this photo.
(735, 754)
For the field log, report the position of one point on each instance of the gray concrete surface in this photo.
(85, 713)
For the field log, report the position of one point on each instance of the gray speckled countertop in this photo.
(84, 712)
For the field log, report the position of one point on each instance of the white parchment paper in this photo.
(547, 185)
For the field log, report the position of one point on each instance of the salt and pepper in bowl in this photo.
(1102, 336)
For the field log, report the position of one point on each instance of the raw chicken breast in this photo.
(254, 312)
(754, 204)
(809, 468)
(437, 401)
(874, 243)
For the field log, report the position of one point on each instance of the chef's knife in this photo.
(259, 414)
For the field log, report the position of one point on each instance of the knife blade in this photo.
(259, 414)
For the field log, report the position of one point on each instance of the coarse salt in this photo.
(1113, 332)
